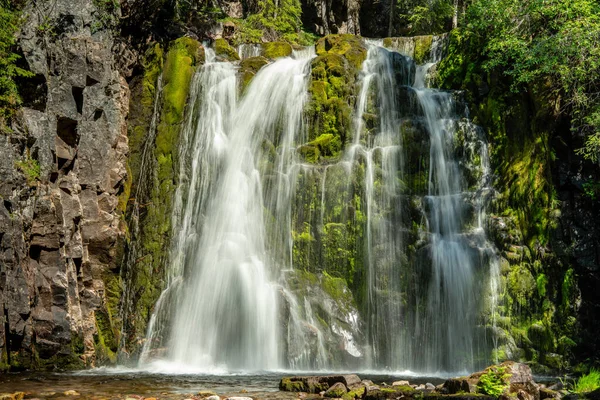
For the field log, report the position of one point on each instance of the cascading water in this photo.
(396, 204)
(227, 311)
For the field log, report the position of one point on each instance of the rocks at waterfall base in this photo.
(509, 380)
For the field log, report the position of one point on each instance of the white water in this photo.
(226, 316)
(234, 215)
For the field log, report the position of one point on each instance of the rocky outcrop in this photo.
(325, 17)
(509, 381)
(63, 170)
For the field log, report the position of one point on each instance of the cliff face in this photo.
(63, 170)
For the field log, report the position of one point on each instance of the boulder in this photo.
(317, 384)
(337, 390)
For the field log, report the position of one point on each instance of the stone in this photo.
(546, 393)
(71, 393)
(12, 396)
(337, 390)
(401, 383)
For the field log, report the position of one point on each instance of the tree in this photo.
(9, 95)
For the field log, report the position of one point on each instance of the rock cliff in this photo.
(63, 170)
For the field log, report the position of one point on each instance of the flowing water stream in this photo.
(415, 170)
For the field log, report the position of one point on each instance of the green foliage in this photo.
(541, 282)
(587, 383)
(30, 168)
(9, 96)
(425, 17)
(273, 20)
(107, 14)
(591, 189)
(554, 43)
(493, 382)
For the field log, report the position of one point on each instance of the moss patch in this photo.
(249, 68)
(183, 57)
(225, 50)
(276, 49)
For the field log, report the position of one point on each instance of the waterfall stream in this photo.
(248, 207)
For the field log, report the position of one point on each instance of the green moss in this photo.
(329, 111)
(179, 66)
(541, 282)
(349, 46)
(30, 168)
(354, 394)
(249, 68)
(521, 284)
(422, 48)
(276, 49)
(225, 50)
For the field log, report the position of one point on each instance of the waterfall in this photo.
(226, 314)
(402, 204)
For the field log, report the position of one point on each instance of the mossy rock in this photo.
(332, 84)
(354, 394)
(184, 55)
(249, 68)
(274, 50)
(351, 47)
(422, 48)
(325, 146)
(225, 50)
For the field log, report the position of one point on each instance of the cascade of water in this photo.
(226, 314)
(449, 320)
(380, 152)
(249, 50)
(242, 185)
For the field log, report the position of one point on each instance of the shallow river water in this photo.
(115, 384)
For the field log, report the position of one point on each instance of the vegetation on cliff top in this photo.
(9, 69)
(553, 44)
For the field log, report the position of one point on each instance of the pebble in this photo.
(71, 393)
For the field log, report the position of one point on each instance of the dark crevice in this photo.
(6, 335)
(89, 81)
(8, 205)
(78, 97)
(35, 252)
(98, 114)
(77, 262)
(66, 129)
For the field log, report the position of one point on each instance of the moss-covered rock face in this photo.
(351, 47)
(328, 306)
(535, 311)
(274, 50)
(248, 69)
(417, 47)
(225, 51)
(159, 179)
(332, 86)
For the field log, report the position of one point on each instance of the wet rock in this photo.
(336, 391)
(12, 396)
(458, 385)
(546, 393)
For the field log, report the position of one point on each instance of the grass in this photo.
(587, 383)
